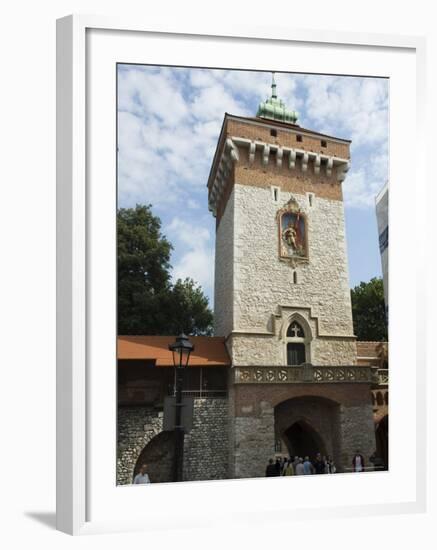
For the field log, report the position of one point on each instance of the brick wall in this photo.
(286, 137)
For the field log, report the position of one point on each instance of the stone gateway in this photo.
(282, 297)
(281, 376)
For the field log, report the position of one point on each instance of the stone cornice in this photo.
(231, 154)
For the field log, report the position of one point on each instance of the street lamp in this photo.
(181, 350)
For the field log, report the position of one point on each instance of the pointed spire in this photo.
(274, 108)
(274, 96)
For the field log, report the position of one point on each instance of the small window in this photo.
(295, 354)
(323, 143)
(295, 277)
(273, 132)
(275, 194)
(299, 138)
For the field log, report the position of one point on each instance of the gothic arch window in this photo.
(297, 340)
(295, 330)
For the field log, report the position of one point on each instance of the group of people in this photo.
(299, 466)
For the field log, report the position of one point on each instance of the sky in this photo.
(169, 120)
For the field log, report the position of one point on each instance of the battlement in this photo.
(256, 151)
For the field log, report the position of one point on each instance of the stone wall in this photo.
(255, 293)
(141, 440)
(223, 278)
(270, 350)
(357, 432)
(254, 441)
(262, 282)
(136, 427)
(206, 445)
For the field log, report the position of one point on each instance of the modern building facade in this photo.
(381, 205)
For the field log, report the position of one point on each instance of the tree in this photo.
(368, 311)
(189, 309)
(148, 302)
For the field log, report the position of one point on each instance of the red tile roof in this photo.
(209, 351)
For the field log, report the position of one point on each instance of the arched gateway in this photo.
(306, 408)
(308, 425)
(302, 440)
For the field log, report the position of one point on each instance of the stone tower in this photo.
(282, 298)
(275, 189)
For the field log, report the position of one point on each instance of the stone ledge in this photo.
(304, 373)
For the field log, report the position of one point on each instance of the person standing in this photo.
(330, 466)
(288, 469)
(307, 466)
(358, 462)
(299, 469)
(142, 476)
(271, 469)
(319, 464)
(278, 466)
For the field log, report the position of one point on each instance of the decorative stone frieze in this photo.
(303, 373)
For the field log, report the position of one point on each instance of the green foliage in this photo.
(368, 311)
(189, 309)
(148, 303)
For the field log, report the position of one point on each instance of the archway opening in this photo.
(158, 454)
(302, 440)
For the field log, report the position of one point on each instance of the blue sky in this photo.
(169, 120)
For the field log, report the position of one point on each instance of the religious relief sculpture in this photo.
(292, 232)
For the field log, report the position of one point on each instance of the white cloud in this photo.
(358, 107)
(144, 92)
(170, 120)
(197, 260)
(363, 184)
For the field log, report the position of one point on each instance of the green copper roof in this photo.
(275, 108)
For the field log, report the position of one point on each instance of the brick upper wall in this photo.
(257, 174)
(286, 137)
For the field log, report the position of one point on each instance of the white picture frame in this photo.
(77, 234)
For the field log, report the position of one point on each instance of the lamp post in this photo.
(181, 350)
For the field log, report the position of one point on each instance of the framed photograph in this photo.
(235, 308)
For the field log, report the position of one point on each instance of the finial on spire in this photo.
(274, 96)
(275, 109)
